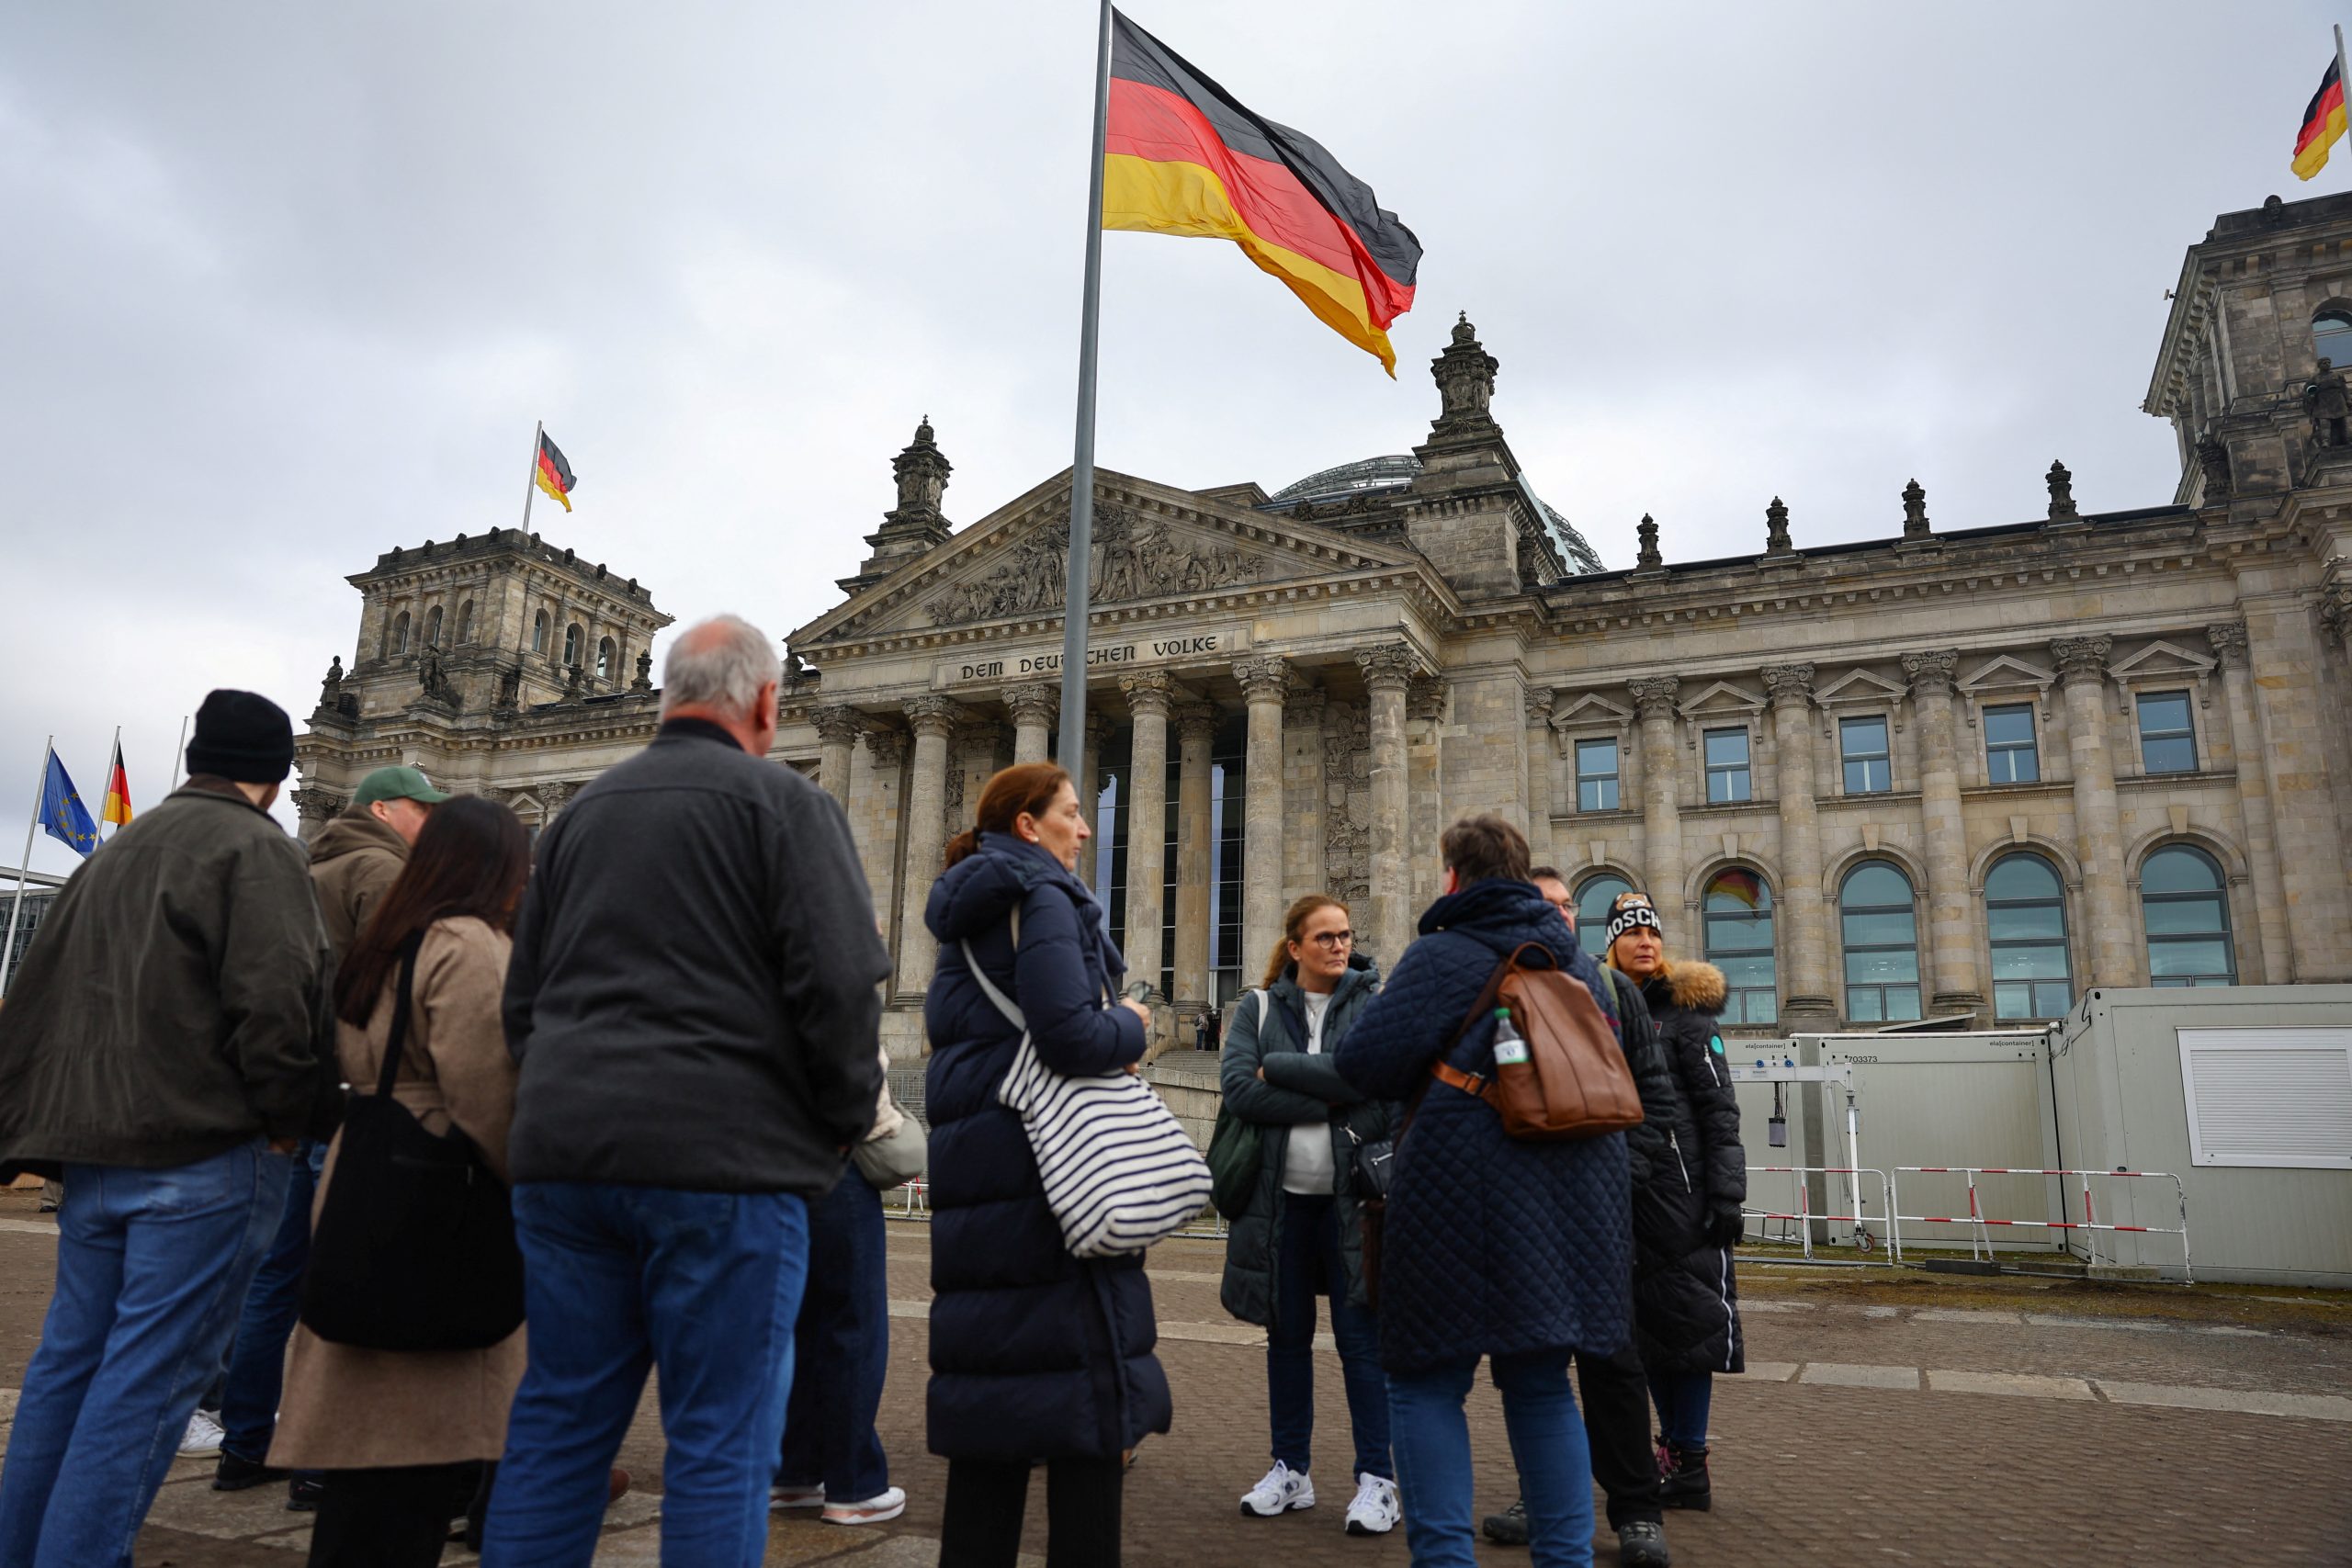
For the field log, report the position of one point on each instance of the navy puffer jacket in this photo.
(1492, 1245)
(1035, 1354)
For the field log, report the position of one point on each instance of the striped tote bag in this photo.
(1119, 1172)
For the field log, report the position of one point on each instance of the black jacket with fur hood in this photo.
(1686, 1299)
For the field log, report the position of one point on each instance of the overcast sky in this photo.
(284, 285)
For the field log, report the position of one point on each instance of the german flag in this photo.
(1181, 157)
(554, 474)
(2322, 123)
(117, 809)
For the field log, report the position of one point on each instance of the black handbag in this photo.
(1370, 1163)
(414, 1248)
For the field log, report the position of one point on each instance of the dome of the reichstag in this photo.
(1384, 474)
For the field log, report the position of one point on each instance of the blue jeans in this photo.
(1307, 1264)
(841, 1349)
(150, 1268)
(619, 1280)
(1547, 1442)
(257, 1355)
(1683, 1399)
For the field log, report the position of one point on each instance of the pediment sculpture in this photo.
(1132, 559)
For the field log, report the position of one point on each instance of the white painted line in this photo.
(2241, 1401)
(1840, 1374)
(2017, 1383)
(1882, 1312)
(1753, 1303)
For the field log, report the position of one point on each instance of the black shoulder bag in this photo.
(414, 1246)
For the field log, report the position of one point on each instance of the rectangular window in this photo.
(2167, 741)
(1596, 775)
(2010, 754)
(1727, 765)
(1861, 742)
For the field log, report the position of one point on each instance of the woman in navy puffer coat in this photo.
(1492, 1246)
(1035, 1354)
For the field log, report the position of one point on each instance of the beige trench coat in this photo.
(347, 1408)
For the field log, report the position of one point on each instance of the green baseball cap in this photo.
(396, 783)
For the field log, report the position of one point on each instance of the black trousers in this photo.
(985, 1499)
(389, 1518)
(1616, 1396)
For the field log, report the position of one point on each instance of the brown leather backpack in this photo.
(1575, 1082)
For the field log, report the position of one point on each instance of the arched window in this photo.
(2025, 919)
(1880, 929)
(400, 634)
(571, 639)
(432, 626)
(465, 623)
(2186, 912)
(1593, 899)
(540, 632)
(607, 654)
(1738, 941)
(2331, 338)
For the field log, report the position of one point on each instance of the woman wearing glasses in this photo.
(1301, 1235)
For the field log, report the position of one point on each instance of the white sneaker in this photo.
(796, 1496)
(1283, 1490)
(204, 1435)
(1375, 1509)
(887, 1505)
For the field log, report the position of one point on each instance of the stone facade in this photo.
(1740, 738)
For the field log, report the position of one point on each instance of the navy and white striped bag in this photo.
(1119, 1172)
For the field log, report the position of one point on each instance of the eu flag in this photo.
(62, 814)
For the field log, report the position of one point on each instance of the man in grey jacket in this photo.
(692, 1004)
(158, 1050)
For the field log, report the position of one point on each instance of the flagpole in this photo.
(531, 486)
(24, 867)
(178, 751)
(1082, 466)
(2344, 81)
(114, 763)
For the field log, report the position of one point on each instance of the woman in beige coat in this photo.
(403, 1433)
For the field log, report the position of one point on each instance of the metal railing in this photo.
(1864, 1241)
(1981, 1224)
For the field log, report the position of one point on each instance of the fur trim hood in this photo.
(1695, 985)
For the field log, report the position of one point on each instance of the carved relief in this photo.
(1347, 804)
(1131, 558)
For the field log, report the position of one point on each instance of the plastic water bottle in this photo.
(1510, 1051)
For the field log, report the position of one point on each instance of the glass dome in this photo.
(1393, 472)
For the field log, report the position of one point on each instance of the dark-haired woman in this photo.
(1302, 1235)
(1035, 1354)
(402, 1431)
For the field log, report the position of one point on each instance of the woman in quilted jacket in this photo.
(1687, 1215)
(1035, 1354)
(1492, 1246)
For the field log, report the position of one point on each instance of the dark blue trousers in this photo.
(841, 1349)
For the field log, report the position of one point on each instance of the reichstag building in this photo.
(1956, 774)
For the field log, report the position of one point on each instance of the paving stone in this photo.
(1214, 1333)
(2020, 1383)
(192, 1506)
(2247, 1402)
(1882, 1312)
(2123, 1324)
(1842, 1374)
(1768, 1371)
(1964, 1314)
(642, 1549)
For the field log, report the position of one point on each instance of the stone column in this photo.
(874, 815)
(315, 807)
(1951, 923)
(2290, 698)
(1090, 788)
(1807, 993)
(2098, 829)
(1661, 802)
(1263, 680)
(1150, 697)
(2254, 804)
(1424, 792)
(837, 730)
(933, 719)
(1303, 803)
(1033, 707)
(1388, 669)
(1539, 774)
(1195, 849)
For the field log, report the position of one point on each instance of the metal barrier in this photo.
(1865, 1241)
(1979, 1226)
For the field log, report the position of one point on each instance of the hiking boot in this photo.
(1641, 1543)
(1375, 1511)
(236, 1472)
(1282, 1491)
(1684, 1484)
(1510, 1527)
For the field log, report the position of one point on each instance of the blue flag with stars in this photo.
(62, 814)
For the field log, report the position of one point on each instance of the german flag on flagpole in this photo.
(117, 809)
(553, 475)
(1183, 157)
(2323, 120)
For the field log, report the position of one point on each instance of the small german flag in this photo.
(1180, 156)
(117, 809)
(554, 474)
(2322, 123)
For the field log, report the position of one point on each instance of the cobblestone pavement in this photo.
(1890, 1420)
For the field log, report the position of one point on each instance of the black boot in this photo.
(1641, 1543)
(1684, 1483)
(1510, 1527)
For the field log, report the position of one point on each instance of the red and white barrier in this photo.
(1981, 1225)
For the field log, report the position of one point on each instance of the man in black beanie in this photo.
(160, 1051)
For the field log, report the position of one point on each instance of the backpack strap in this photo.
(1004, 1004)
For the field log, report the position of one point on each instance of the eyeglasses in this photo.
(1331, 942)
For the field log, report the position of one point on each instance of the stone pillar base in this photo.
(1947, 1003)
(1809, 1015)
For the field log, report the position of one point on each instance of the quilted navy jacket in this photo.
(1035, 1354)
(1492, 1245)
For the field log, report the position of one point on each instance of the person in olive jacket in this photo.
(1302, 1233)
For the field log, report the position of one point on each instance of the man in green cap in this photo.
(357, 857)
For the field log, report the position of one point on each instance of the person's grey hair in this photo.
(722, 662)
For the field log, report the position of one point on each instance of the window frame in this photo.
(2064, 941)
(1847, 948)
(608, 654)
(2218, 895)
(2139, 701)
(400, 634)
(1744, 770)
(2342, 318)
(1736, 1008)
(1576, 898)
(1883, 757)
(465, 623)
(540, 625)
(2009, 749)
(1613, 778)
(576, 641)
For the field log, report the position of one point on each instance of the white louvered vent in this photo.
(2268, 1097)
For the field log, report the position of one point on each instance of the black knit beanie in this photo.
(1630, 909)
(243, 737)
